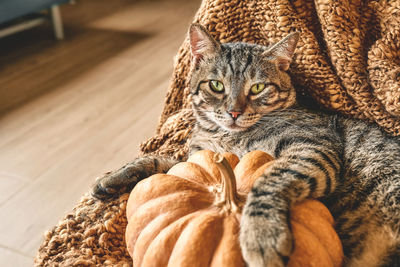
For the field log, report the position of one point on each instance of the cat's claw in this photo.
(265, 243)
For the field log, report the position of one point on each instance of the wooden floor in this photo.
(83, 107)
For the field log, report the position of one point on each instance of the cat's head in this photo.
(233, 85)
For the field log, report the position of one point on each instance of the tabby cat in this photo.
(243, 100)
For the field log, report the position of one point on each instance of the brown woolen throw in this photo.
(347, 59)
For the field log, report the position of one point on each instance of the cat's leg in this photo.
(123, 180)
(302, 170)
(375, 242)
(369, 210)
(369, 224)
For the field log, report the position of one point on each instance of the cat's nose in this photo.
(235, 114)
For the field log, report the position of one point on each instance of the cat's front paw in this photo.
(112, 184)
(265, 242)
(107, 186)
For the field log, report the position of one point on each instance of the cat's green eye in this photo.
(217, 86)
(257, 88)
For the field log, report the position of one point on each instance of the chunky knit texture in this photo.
(348, 60)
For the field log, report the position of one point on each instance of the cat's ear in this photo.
(282, 51)
(202, 44)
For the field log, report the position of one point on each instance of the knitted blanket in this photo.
(347, 60)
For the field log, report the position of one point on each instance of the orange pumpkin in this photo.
(190, 216)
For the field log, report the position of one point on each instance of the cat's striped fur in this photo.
(351, 165)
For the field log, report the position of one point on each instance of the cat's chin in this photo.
(233, 128)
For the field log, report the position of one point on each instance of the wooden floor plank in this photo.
(10, 185)
(12, 258)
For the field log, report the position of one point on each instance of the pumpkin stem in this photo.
(229, 197)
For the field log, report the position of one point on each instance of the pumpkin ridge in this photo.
(250, 165)
(176, 195)
(165, 241)
(148, 211)
(182, 169)
(205, 159)
(142, 242)
(315, 225)
(166, 184)
(190, 199)
(199, 238)
(315, 231)
(153, 229)
(228, 252)
(315, 206)
(307, 249)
